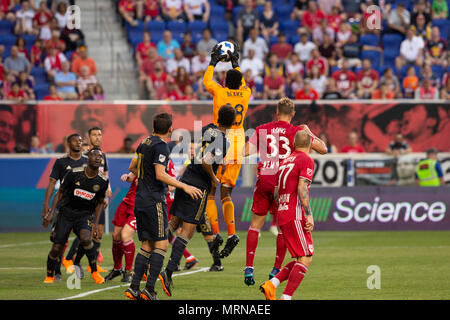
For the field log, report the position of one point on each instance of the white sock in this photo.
(275, 282)
(286, 297)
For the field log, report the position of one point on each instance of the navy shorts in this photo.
(151, 222)
(65, 223)
(187, 209)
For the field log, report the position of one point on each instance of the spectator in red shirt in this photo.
(319, 61)
(312, 17)
(36, 53)
(344, 81)
(6, 7)
(146, 69)
(173, 92)
(127, 9)
(53, 95)
(273, 85)
(353, 146)
(307, 92)
(334, 19)
(367, 80)
(149, 9)
(156, 83)
(282, 48)
(189, 94)
(16, 94)
(41, 20)
(21, 45)
(55, 42)
(143, 47)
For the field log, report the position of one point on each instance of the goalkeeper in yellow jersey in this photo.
(237, 94)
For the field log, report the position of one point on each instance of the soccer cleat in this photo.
(148, 294)
(273, 273)
(216, 267)
(133, 294)
(248, 276)
(127, 276)
(166, 282)
(113, 274)
(97, 277)
(190, 264)
(49, 279)
(68, 264)
(268, 289)
(232, 242)
(78, 271)
(58, 277)
(217, 242)
(100, 257)
(99, 269)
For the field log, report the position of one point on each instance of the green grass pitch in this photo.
(413, 265)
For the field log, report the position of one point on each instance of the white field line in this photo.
(82, 295)
(12, 245)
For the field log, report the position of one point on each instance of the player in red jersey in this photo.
(294, 215)
(274, 141)
(124, 229)
(191, 261)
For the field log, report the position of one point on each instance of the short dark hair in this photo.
(94, 129)
(162, 123)
(127, 139)
(233, 79)
(227, 115)
(94, 149)
(72, 136)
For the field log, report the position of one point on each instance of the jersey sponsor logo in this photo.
(311, 248)
(309, 172)
(83, 194)
(162, 158)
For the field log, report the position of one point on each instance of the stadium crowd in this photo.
(41, 58)
(304, 49)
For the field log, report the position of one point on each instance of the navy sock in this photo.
(215, 255)
(156, 262)
(140, 267)
(178, 247)
(73, 249)
(92, 257)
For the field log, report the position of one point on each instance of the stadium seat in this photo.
(437, 70)
(294, 39)
(374, 57)
(41, 90)
(369, 40)
(236, 10)
(289, 27)
(392, 41)
(156, 26)
(404, 70)
(220, 35)
(272, 40)
(5, 27)
(197, 26)
(221, 25)
(260, 10)
(389, 56)
(29, 39)
(283, 12)
(178, 29)
(444, 26)
(8, 39)
(196, 37)
(135, 37)
(217, 13)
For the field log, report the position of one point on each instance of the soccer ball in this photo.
(225, 46)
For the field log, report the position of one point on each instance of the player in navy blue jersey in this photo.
(150, 206)
(80, 201)
(202, 174)
(73, 159)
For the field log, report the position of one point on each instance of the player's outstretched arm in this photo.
(302, 190)
(317, 145)
(208, 78)
(127, 177)
(164, 177)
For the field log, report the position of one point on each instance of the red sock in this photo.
(117, 253)
(128, 250)
(281, 251)
(186, 253)
(252, 243)
(65, 246)
(284, 273)
(295, 278)
(172, 239)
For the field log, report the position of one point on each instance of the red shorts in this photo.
(263, 200)
(298, 241)
(124, 215)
